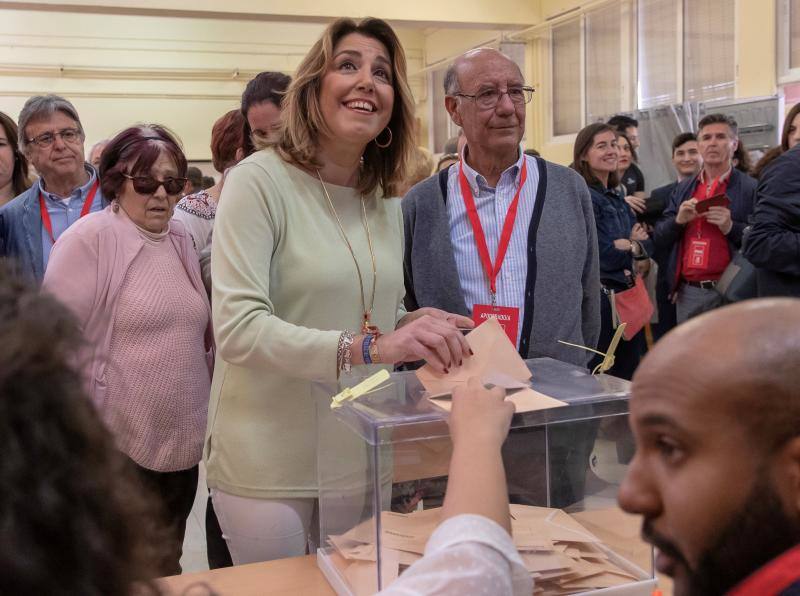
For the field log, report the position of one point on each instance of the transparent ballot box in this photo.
(382, 467)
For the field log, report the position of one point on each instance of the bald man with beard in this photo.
(715, 411)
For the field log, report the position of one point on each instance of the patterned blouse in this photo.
(196, 212)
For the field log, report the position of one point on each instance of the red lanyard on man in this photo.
(87, 205)
(507, 317)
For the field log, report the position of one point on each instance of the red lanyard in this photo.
(87, 205)
(492, 271)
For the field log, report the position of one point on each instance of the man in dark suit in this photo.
(688, 162)
(773, 244)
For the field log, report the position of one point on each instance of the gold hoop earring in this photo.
(387, 143)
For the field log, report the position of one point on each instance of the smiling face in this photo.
(494, 131)
(717, 143)
(603, 154)
(686, 159)
(61, 160)
(716, 501)
(264, 119)
(151, 212)
(356, 95)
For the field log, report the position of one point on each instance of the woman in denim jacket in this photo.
(621, 240)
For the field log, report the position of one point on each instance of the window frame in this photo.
(627, 65)
(566, 137)
(783, 33)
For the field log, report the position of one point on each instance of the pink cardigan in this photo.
(86, 268)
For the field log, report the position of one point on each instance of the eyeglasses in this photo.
(489, 98)
(147, 185)
(68, 135)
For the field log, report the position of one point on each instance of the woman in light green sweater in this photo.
(307, 281)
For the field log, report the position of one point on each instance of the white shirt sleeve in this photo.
(467, 554)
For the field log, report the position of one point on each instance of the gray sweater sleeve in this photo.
(591, 272)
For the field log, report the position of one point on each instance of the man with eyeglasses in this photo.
(52, 137)
(502, 234)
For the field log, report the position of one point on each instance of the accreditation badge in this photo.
(507, 316)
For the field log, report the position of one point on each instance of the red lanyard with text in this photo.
(87, 205)
(492, 271)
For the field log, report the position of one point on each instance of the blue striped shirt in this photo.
(65, 211)
(492, 205)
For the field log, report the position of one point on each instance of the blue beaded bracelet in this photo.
(365, 348)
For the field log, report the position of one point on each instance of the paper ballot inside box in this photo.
(495, 362)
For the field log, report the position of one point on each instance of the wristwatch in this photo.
(374, 354)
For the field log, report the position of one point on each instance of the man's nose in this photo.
(58, 142)
(637, 494)
(504, 104)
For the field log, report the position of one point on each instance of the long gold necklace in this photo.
(367, 327)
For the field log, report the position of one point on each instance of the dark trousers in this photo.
(175, 493)
(628, 353)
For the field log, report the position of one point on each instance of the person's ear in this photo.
(451, 105)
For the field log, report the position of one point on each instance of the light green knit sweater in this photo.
(284, 287)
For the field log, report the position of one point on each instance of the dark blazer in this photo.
(21, 233)
(773, 244)
(668, 235)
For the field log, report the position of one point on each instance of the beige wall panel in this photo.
(500, 12)
(182, 72)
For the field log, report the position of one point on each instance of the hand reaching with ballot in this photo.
(479, 415)
(479, 422)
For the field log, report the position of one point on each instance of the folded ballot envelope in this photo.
(496, 362)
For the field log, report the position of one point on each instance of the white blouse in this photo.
(466, 554)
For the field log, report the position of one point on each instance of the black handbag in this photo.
(738, 281)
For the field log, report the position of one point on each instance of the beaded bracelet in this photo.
(365, 348)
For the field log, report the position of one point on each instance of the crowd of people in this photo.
(194, 320)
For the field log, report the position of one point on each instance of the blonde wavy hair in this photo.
(302, 121)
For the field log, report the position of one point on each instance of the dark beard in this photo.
(757, 534)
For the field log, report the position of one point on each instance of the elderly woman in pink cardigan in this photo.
(133, 280)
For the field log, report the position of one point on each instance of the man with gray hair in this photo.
(506, 235)
(52, 137)
(501, 234)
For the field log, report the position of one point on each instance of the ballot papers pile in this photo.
(562, 556)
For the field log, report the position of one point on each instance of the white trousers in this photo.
(264, 529)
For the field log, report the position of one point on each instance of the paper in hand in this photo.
(496, 362)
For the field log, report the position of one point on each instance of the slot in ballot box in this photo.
(382, 467)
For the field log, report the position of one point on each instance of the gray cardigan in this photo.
(562, 292)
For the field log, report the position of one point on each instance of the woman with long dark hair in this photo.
(621, 240)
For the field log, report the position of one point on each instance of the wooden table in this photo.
(298, 575)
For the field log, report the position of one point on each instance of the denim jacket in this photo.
(614, 220)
